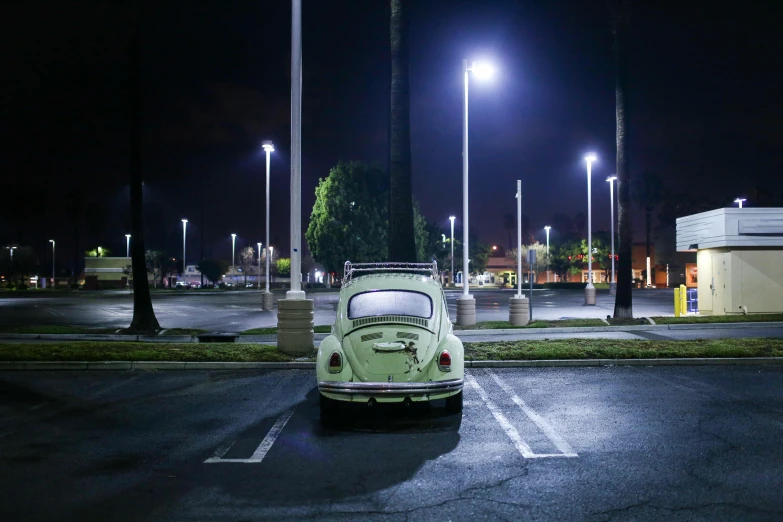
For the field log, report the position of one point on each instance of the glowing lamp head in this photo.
(233, 236)
(128, 236)
(591, 158)
(452, 218)
(547, 228)
(184, 220)
(483, 70)
(267, 146)
(611, 178)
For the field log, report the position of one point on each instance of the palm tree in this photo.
(402, 243)
(648, 193)
(623, 304)
(144, 320)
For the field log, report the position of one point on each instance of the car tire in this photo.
(328, 406)
(454, 403)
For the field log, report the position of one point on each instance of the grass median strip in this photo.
(621, 349)
(133, 351)
(56, 330)
(712, 319)
(272, 330)
(481, 351)
(538, 323)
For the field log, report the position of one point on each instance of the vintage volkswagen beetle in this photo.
(392, 340)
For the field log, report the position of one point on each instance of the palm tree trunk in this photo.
(402, 243)
(144, 319)
(623, 305)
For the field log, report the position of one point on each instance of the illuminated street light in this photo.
(481, 70)
(259, 265)
(127, 245)
(589, 289)
(184, 229)
(547, 228)
(452, 218)
(233, 249)
(52, 242)
(268, 148)
(611, 180)
(740, 200)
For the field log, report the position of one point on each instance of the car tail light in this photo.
(444, 361)
(336, 363)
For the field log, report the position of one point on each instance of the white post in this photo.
(268, 148)
(52, 241)
(465, 221)
(296, 151)
(184, 265)
(547, 228)
(519, 238)
(589, 289)
(233, 248)
(452, 218)
(127, 245)
(259, 266)
(612, 283)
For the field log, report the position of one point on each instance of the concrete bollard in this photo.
(589, 295)
(519, 310)
(267, 301)
(677, 302)
(295, 326)
(466, 311)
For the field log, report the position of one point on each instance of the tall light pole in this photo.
(611, 180)
(52, 242)
(127, 245)
(11, 265)
(184, 230)
(259, 265)
(233, 249)
(452, 218)
(519, 240)
(547, 228)
(589, 289)
(268, 149)
(468, 308)
(296, 152)
(740, 200)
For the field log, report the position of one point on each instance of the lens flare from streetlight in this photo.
(483, 70)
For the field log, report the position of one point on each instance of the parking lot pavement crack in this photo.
(624, 512)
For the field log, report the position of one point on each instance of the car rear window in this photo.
(390, 302)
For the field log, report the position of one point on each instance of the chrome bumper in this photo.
(391, 389)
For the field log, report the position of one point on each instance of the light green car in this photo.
(392, 340)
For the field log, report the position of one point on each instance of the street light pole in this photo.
(127, 245)
(519, 239)
(452, 218)
(611, 180)
(266, 301)
(52, 242)
(740, 200)
(547, 228)
(259, 266)
(589, 289)
(184, 229)
(233, 249)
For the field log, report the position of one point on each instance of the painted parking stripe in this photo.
(559, 442)
(510, 430)
(263, 448)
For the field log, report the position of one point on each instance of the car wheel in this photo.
(454, 403)
(328, 406)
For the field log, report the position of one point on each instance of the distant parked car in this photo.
(392, 340)
(180, 284)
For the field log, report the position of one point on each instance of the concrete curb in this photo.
(300, 365)
(631, 328)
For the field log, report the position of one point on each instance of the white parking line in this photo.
(263, 448)
(543, 425)
(510, 430)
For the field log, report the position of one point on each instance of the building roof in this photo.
(731, 227)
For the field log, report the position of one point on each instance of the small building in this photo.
(738, 256)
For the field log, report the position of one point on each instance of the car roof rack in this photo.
(357, 269)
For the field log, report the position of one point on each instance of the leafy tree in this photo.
(247, 257)
(21, 266)
(283, 267)
(541, 257)
(401, 235)
(98, 252)
(623, 304)
(566, 258)
(213, 269)
(348, 221)
(157, 264)
(144, 320)
(478, 253)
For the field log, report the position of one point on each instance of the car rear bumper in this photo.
(391, 389)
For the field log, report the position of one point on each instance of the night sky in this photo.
(705, 110)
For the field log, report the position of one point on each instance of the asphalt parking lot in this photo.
(611, 443)
(238, 311)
